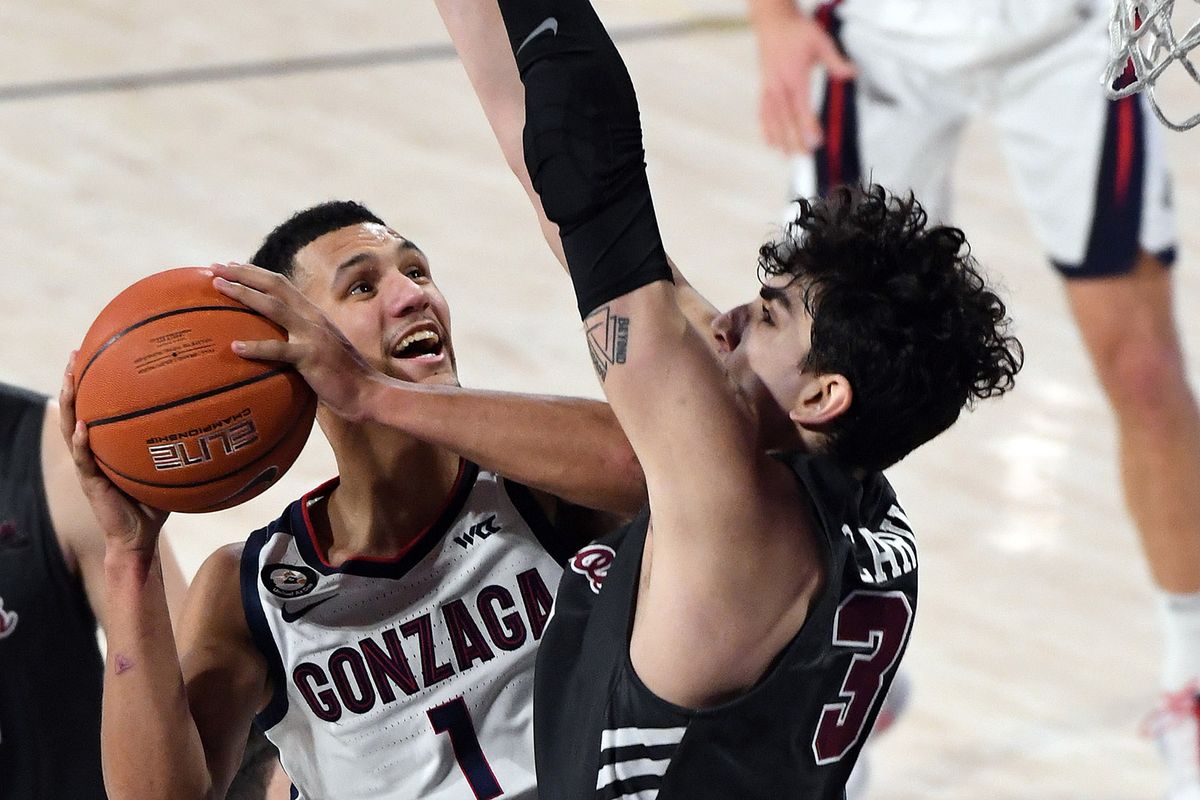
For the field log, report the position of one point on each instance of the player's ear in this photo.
(823, 398)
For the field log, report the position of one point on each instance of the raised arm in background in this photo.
(712, 535)
(478, 32)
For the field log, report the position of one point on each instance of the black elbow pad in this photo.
(583, 150)
(583, 136)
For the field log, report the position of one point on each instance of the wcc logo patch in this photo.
(288, 580)
(480, 530)
(8, 620)
(593, 562)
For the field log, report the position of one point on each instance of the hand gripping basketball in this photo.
(334, 369)
(132, 526)
(174, 418)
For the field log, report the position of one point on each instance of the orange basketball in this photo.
(175, 418)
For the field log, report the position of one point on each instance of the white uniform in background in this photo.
(1091, 172)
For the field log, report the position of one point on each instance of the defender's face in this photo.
(762, 346)
(376, 286)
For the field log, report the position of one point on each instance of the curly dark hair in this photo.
(281, 245)
(902, 311)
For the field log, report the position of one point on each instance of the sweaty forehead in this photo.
(364, 234)
(330, 250)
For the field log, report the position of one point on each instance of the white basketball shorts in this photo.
(1091, 172)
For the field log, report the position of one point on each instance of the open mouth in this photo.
(419, 344)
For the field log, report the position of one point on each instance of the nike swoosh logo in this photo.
(291, 616)
(548, 24)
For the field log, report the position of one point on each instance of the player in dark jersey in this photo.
(51, 600)
(50, 554)
(391, 410)
(51, 590)
(737, 639)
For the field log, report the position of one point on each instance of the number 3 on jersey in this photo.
(880, 622)
(455, 719)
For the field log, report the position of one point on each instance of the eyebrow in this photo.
(355, 260)
(773, 295)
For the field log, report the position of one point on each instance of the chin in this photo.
(442, 379)
(443, 376)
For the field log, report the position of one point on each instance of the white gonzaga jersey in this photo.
(409, 677)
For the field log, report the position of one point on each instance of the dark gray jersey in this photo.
(51, 670)
(601, 733)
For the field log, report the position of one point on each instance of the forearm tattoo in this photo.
(608, 339)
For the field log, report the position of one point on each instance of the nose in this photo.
(404, 295)
(727, 329)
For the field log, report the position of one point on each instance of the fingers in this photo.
(266, 304)
(85, 463)
(789, 52)
(250, 275)
(803, 131)
(268, 350)
(112, 507)
(774, 120)
(788, 122)
(836, 65)
(268, 293)
(837, 68)
(66, 399)
(74, 430)
(808, 133)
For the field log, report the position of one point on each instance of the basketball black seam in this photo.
(141, 412)
(112, 339)
(198, 484)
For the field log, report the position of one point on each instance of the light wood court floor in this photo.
(135, 136)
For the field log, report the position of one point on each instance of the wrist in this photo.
(122, 561)
(373, 397)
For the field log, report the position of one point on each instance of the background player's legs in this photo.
(1128, 326)
(1099, 195)
(1129, 329)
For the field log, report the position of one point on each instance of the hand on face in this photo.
(128, 525)
(315, 347)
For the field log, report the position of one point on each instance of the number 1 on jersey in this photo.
(880, 621)
(454, 718)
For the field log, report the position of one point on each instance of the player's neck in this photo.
(387, 496)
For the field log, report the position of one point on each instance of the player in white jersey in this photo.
(410, 677)
(383, 628)
(902, 79)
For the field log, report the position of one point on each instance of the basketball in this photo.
(175, 418)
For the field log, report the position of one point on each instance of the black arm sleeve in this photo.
(583, 147)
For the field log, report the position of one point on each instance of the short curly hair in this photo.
(278, 251)
(900, 309)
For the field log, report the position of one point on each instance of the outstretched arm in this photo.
(724, 515)
(570, 448)
(478, 33)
